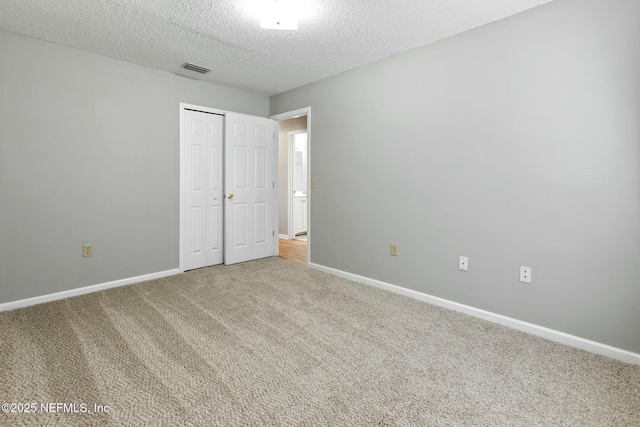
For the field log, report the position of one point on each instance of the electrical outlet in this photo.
(463, 264)
(87, 250)
(525, 274)
(313, 183)
(394, 249)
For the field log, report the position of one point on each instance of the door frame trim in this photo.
(181, 224)
(305, 111)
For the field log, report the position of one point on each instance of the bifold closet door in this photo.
(203, 190)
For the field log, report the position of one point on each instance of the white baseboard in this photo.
(533, 329)
(85, 290)
(283, 236)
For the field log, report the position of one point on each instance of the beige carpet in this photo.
(274, 343)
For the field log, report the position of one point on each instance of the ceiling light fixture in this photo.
(279, 15)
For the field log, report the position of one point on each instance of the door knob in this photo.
(229, 196)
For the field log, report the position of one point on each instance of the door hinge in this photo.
(273, 233)
(273, 184)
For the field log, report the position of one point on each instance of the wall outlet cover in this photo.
(463, 263)
(87, 250)
(525, 274)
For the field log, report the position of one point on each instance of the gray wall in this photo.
(516, 143)
(89, 153)
(285, 126)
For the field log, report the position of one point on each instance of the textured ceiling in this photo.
(334, 35)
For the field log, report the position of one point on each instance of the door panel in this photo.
(239, 165)
(298, 215)
(197, 219)
(260, 132)
(214, 239)
(195, 197)
(215, 226)
(215, 158)
(260, 218)
(203, 230)
(197, 166)
(249, 176)
(239, 218)
(260, 168)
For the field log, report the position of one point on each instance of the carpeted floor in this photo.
(274, 343)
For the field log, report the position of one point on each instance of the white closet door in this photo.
(250, 188)
(202, 206)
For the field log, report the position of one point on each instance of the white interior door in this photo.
(250, 201)
(298, 215)
(202, 214)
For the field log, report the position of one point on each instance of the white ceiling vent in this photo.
(196, 68)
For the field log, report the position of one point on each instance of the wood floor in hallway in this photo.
(294, 250)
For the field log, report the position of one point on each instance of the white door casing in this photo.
(305, 111)
(250, 188)
(202, 190)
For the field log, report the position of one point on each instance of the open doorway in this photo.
(298, 190)
(294, 196)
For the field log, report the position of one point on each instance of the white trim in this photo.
(533, 329)
(291, 114)
(290, 233)
(86, 290)
(276, 184)
(305, 111)
(283, 236)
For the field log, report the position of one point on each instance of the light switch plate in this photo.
(87, 250)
